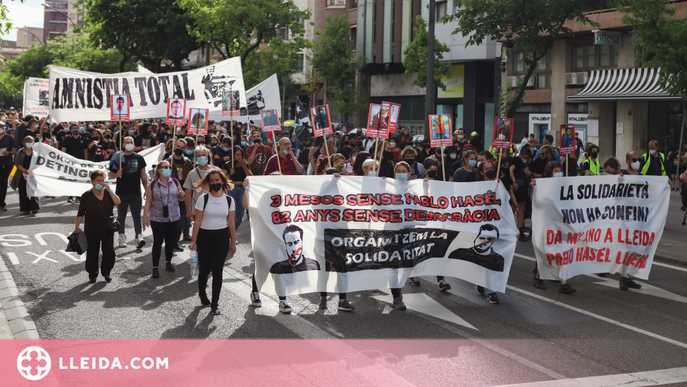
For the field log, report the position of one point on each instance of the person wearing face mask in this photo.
(461, 140)
(108, 145)
(351, 163)
(129, 179)
(395, 150)
(338, 161)
(163, 196)
(653, 163)
(75, 145)
(145, 139)
(288, 164)
(214, 234)
(386, 160)
(538, 166)
(521, 175)
(222, 154)
(591, 165)
(257, 153)
(417, 171)
(97, 206)
(469, 165)
(96, 147)
(304, 151)
(238, 175)
(181, 167)
(197, 174)
(431, 165)
(22, 128)
(86, 134)
(633, 162)
(22, 160)
(61, 132)
(32, 130)
(426, 149)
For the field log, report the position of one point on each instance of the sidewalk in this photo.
(672, 248)
(15, 322)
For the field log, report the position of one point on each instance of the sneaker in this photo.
(632, 284)
(323, 302)
(493, 298)
(444, 286)
(92, 278)
(204, 300)
(77, 200)
(156, 273)
(567, 289)
(480, 290)
(3, 208)
(284, 307)
(523, 236)
(34, 212)
(346, 306)
(108, 278)
(25, 212)
(187, 237)
(178, 248)
(70, 200)
(623, 284)
(539, 284)
(215, 312)
(122, 240)
(255, 299)
(169, 267)
(140, 242)
(398, 304)
(414, 281)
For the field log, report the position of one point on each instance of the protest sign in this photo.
(567, 139)
(320, 117)
(54, 173)
(394, 111)
(440, 131)
(585, 225)
(197, 122)
(119, 108)
(77, 95)
(36, 97)
(231, 100)
(264, 95)
(270, 120)
(503, 133)
(378, 121)
(175, 111)
(322, 233)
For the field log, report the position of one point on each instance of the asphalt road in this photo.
(443, 339)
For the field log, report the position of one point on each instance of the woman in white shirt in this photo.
(214, 233)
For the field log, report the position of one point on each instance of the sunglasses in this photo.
(633, 160)
(165, 168)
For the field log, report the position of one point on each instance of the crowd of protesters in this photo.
(198, 171)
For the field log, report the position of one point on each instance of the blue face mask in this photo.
(167, 172)
(285, 152)
(335, 149)
(82, 129)
(75, 132)
(132, 132)
(402, 176)
(243, 143)
(226, 149)
(189, 152)
(35, 126)
(460, 136)
(472, 163)
(558, 174)
(202, 160)
(99, 187)
(372, 173)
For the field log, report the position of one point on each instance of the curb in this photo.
(15, 317)
(671, 261)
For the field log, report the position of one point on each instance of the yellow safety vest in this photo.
(593, 166)
(645, 169)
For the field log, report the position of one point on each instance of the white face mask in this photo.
(2, 131)
(652, 151)
(29, 145)
(129, 147)
(635, 165)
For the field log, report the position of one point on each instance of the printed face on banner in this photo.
(567, 139)
(441, 130)
(198, 123)
(270, 120)
(321, 121)
(175, 111)
(394, 110)
(119, 108)
(378, 121)
(503, 132)
(231, 103)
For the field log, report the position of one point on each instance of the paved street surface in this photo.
(612, 337)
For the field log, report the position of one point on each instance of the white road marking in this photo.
(635, 379)
(13, 258)
(420, 302)
(646, 289)
(42, 256)
(79, 258)
(670, 266)
(602, 318)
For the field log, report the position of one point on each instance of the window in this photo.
(299, 64)
(442, 8)
(283, 33)
(352, 4)
(542, 72)
(608, 56)
(354, 36)
(595, 56)
(330, 3)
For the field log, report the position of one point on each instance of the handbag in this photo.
(111, 223)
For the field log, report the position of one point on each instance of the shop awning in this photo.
(618, 84)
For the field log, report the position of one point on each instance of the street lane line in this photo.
(635, 379)
(422, 303)
(13, 258)
(655, 263)
(602, 318)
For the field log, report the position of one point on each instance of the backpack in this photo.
(206, 197)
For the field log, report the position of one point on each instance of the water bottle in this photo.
(194, 263)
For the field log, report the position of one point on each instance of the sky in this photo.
(29, 13)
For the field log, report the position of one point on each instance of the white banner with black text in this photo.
(36, 97)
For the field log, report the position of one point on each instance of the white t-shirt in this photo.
(216, 212)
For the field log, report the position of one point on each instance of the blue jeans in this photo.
(237, 194)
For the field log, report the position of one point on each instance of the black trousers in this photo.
(163, 232)
(213, 247)
(26, 203)
(93, 252)
(5, 171)
(134, 202)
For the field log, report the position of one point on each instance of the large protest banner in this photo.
(85, 96)
(322, 233)
(593, 224)
(265, 95)
(54, 173)
(36, 97)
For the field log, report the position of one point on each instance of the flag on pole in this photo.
(301, 113)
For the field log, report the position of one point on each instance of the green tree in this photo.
(5, 22)
(525, 27)
(415, 57)
(239, 27)
(661, 40)
(149, 31)
(333, 57)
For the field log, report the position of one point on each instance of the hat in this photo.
(474, 133)
(455, 133)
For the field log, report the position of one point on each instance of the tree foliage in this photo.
(525, 26)
(238, 27)
(661, 40)
(5, 22)
(149, 31)
(333, 57)
(415, 57)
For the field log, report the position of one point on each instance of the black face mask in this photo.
(178, 152)
(216, 187)
(595, 155)
(426, 146)
(388, 155)
(490, 174)
(432, 174)
(257, 141)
